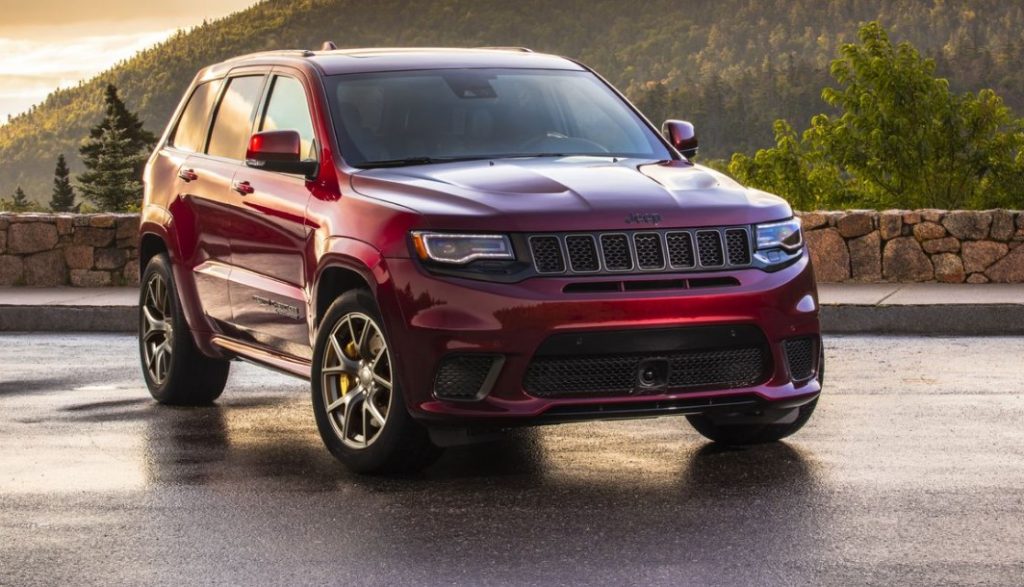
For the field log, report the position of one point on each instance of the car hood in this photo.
(570, 193)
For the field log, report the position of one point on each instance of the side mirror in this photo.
(682, 136)
(278, 150)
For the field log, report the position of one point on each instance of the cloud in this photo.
(31, 68)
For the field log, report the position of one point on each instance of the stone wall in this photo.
(45, 250)
(89, 250)
(917, 245)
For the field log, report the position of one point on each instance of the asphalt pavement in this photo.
(910, 473)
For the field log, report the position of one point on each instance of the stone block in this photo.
(78, 257)
(1002, 225)
(941, 245)
(890, 223)
(31, 237)
(12, 270)
(948, 268)
(127, 226)
(46, 269)
(829, 255)
(980, 255)
(968, 224)
(102, 221)
(866, 257)
(928, 230)
(131, 273)
(65, 224)
(1009, 269)
(977, 278)
(107, 259)
(855, 224)
(903, 260)
(94, 237)
(813, 220)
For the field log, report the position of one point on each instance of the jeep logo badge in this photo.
(643, 218)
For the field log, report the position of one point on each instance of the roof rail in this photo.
(519, 49)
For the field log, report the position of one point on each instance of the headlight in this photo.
(458, 249)
(780, 235)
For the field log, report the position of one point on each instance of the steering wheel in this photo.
(552, 137)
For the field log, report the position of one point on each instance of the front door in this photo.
(268, 248)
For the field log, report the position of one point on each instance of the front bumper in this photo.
(432, 317)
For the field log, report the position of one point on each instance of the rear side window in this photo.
(288, 110)
(190, 134)
(233, 121)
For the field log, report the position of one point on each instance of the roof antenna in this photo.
(328, 46)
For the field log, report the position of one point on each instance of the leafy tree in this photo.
(114, 156)
(63, 199)
(900, 139)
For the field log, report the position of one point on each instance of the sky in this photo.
(46, 44)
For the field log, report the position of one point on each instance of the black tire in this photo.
(186, 377)
(741, 429)
(401, 444)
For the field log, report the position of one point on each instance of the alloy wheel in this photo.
(357, 381)
(157, 329)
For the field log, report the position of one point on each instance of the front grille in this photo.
(604, 375)
(547, 254)
(641, 251)
(737, 247)
(582, 253)
(800, 357)
(648, 250)
(462, 377)
(680, 249)
(615, 248)
(709, 248)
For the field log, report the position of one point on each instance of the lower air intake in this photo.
(800, 357)
(604, 375)
(464, 377)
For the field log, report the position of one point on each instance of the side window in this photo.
(190, 134)
(233, 121)
(288, 109)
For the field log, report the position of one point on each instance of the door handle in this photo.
(243, 187)
(187, 175)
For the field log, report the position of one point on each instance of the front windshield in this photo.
(408, 117)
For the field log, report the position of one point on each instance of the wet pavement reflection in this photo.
(916, 478)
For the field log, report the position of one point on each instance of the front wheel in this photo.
(357, 400)
(766, 426)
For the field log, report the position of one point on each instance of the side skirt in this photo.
(265, 358)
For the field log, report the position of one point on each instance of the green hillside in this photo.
(731, 66)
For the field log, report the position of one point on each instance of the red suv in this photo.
(448, 243)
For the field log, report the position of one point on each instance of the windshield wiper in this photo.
(416, 161)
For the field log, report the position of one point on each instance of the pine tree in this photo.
(110, 180)
(19, 202)
(63, 199)
(114, 156)
(118, 115)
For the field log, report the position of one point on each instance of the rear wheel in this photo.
(357, 401)
(757, 428)
(174, 369)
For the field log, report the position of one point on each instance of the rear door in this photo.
(208, 173)
(204, 249)
(268, 249)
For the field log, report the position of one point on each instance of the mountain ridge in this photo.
(742, 62)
